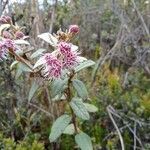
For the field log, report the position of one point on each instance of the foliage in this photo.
(33, 106)
(28, 144)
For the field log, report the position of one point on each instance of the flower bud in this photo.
(3, 21)
(19, 35)
(74, 29)
(7, 35)
(8, 19)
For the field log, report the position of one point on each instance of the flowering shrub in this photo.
(59, 69)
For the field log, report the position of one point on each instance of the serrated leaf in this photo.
(59, 126)
(84, 64)
(33, 89)
(19, 42)
(69, 129)
(49, 38)
(90, 107)
(58, 86)
(4, 26)
(84, 141)
(80, 88)
(79, 108)
(37, 53)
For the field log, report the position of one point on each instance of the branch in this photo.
(115, 125)
(69, 97)
(120, 117)
(134, 136)
(141, 18)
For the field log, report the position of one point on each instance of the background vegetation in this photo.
(113, 33)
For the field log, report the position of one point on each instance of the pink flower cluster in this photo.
(63, 58)
(52, 66)
(68, 54)
(5, 46)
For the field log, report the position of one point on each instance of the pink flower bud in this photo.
(19, 35)
(73, 29)
(3, 21)
(8, 19)
(6, 35)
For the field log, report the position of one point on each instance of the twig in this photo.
(111, 109)
(115, 125)
(134, 136)
(141, 18)
(41, 109)
(111, 52)
(22, 60)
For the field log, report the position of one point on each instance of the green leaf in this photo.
(24, 67)
(33, 89)
(59, 97)
(79, 108)
(18, 72)
(80, 88)
(84, 64)
(84, 141)
(21, 68)
(69, 129)
(59, 126)
(90, 107)
(37, 53)
(58, 86)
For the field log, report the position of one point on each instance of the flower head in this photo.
(69, 55)
(70, 60)
(64, 48)
(73, 29)
(52, 67)
(9, 44)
